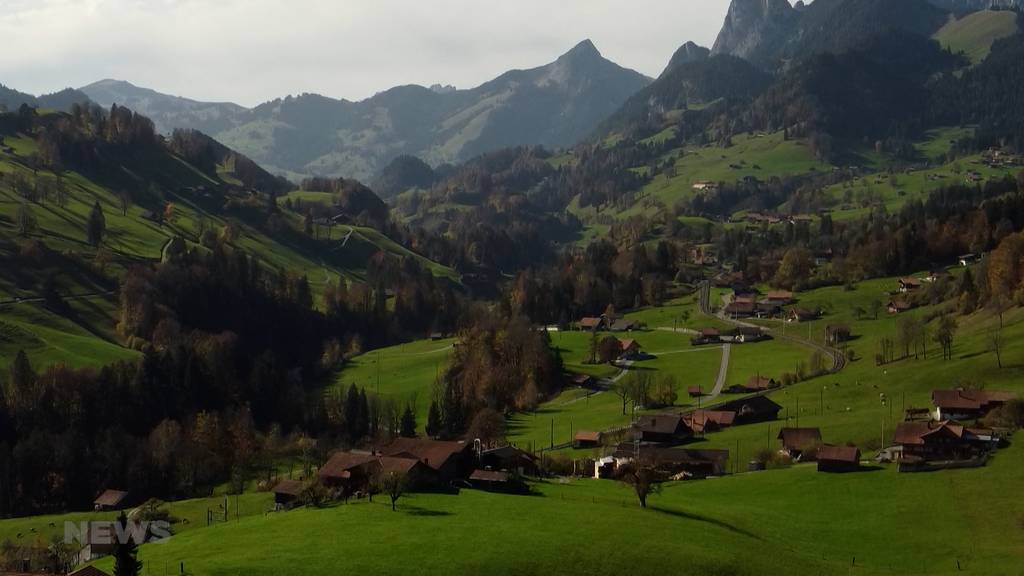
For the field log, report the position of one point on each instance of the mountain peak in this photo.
(687, 53)
(583, 50)
(750, 25)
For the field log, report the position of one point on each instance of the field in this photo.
(974, 34)
(793, 521)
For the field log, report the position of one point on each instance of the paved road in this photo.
(723, 373)
(38, 299)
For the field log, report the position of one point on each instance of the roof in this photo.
(910, 282)
(740, 307)
(341, 464)
(582, 378)
(433, 453)
(397, 465)
(803, 312)
(628, 344)
(919, 433)
(760, 383)
(587, 436)
(289, 487)
(899, 304)
(779, 295)
(849, 454)
(969, 399)
(623, 324)
(509, 452)
(89, 571)
(752, 405)
(591, 322)
(699, 419)
(660, 423)
(110, 498)
(488, 476)
(800, 437)
(710, 332)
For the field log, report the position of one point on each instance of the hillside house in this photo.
(707, 336)
(752, 410)
(450, 461)
(622, 325)
(753, 385)
(704, 421)
(111, 500)
(586, 439)
(908, 285)
(490, 480)
(800, 443)
(630, 349)
(836, 334)
(768, 309)
(899, 306)
(780, 297)
(662, 429)
(801, 315)
(936, 275)
(347, 472)
(510, 459)
(287, 493)
(747, 334)
(967, 404)
(945, 440)
(592, 324)
(838, 459)
(740, 309)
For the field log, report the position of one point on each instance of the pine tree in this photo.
(364, 414)
(125, 549)
(408, 425)
(433, 420)
(352, 413)
(97, 225)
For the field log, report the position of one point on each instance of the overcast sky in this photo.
(250, 51)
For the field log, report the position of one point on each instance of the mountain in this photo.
(167, 112)
(771, 32)
(687, 53)
(12, 99)
(965, 6)
(554, 105)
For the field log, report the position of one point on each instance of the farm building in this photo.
(945, 440)
(780, 297)
(740, 309)
(510, 459)
(908, 285)
(348, 472)
(585, 439)
(838, 459)
(287, 493)
(449, 460)
(967, 404)
(111, 500)
(753, 409)
(662, 428)
(703, 421)
(583, 380)
(490, 480)
(755, 384)
(707, 336)
(622, 325)
(747, 334)
(676, 463)
(801, 315)
(967, 260)
(591, 324)
(800, 443)
(630, 349)
(767, 309)
(899, 306)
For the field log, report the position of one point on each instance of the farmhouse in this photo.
(489, 480)
(510, 459)
(622, 325)
(800, 443)
(945, 440)
(347, 472)
(838, 459)
(837, 334)
(757, 384)
(707, 336)
(899, 306)
(780, 297)
(630, 349)
(704, 421)
(111, 500)
(676, 463)
(801, 315)
(591, 324)
(747, 334)
(967, 404)
(753, 409)
(585, 439)
(908, 285)
(767, 309)
(662, 428)
(287, 493)
(449, 460)
(936, 275)
(738, 308)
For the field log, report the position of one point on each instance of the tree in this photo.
(795, 269)
(125, 549)
(488, 426)
(996, 344)
(875, 306)
(408, 425)
(96, 225)
(609, 349)
(641, 477)
(433, 420)
(25, 220)
(393, 484)
(944, 335)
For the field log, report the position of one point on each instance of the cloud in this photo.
(251, 51)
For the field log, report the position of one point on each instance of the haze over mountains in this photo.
(553, 105)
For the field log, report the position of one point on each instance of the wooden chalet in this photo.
(941, 440)
(287, 493)
(780, 297)
(838, 459)
(753, 409)
(510, 459)
(592, 324)
(747, 334)
(662, 429)
(490, 480)
(704, 421)
(707, 336)
(899, 306)
(450, 461)
(586, 439)
(801, 315)
(967, 404)
(756, 384)
(908, 285)
(800, 443)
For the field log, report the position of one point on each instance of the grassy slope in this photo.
(974, 34)
(793, 521)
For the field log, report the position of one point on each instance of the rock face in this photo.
(554, 105)
(687, 54)
(754, 29)
(965, 6)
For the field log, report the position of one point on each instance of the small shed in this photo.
(586, 439)
(838, 459)
(287, 493)
(111, 500)
(489, 480)
(800, 443)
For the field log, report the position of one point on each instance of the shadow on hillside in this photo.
(417, 511)
(698, 518)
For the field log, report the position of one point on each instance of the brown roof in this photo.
(799, 438)
(918, 433)
(780, 295)
(110, 498)
(899, 304)
(341, 464)
(582, 378)
(587, 436)
(849, 454)
(397, 465)
(803, 313)
(628, 344)
(699, 419)
(433, 453)
(660, 423)
(488, 476)
(969, 399)
(910, 282)
(591, 322)
(709, 332)
(760, 383)
(290, 487)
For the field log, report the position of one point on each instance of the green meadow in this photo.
(974, 34)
